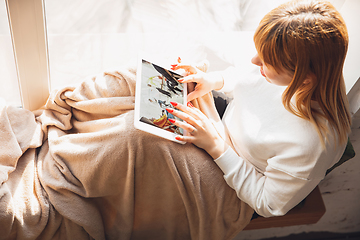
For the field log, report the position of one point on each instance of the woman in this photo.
(287, 125)
(78, 169)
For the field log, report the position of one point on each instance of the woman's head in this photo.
(307, 39)
(303, 37)
(278, 77)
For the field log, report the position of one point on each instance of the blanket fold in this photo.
(78, 169)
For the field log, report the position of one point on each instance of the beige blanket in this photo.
(77, 169)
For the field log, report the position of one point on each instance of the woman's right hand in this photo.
(205, 82)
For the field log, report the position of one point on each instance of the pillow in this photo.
(348, 154)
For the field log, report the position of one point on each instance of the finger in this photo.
(188, 68)
(193, 68)
(184, 125)
(203, 65)
(189, 138)
(192, 114)
(173, 66)
(195, 94)
(185, 116)
(190, 78)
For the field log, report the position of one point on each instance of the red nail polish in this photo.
(179, 59)
(171, 120)
(181, 80)
(170, 110)
(173, 66)
(174, 104)
(177, 138)
(190, 104)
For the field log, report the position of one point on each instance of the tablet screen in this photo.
(156, 87)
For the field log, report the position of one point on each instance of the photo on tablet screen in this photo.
(158, 87)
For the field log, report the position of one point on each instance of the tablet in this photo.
(156, 87)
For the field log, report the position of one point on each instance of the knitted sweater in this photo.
(277, 158)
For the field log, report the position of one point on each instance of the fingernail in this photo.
(179, 59)
(171, 120)
(174, 104)
(178, 138)
(173, 66)
(170, 110)
(181, 79)
(190, 104)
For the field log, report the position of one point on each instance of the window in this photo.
(84, 38)
(88, 37)
(26, 18)
(9, 89)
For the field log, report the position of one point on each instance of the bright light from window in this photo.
(9, 89)
(86, 38)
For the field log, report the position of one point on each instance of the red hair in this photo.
(309, 38)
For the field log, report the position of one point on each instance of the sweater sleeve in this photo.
(229, 77)
(232, 76)
(273, 193)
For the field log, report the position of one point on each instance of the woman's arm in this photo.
(272, 193)
(205, 82)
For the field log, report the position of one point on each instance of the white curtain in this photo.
(89, 37)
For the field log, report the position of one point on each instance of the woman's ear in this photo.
(310, 78)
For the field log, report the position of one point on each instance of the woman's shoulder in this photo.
(302, 154)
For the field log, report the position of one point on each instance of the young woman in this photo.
(287, 123)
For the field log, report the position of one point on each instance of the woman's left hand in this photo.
(201, 131)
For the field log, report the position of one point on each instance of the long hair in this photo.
(309, 38)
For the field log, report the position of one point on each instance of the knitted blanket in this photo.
(77, 169)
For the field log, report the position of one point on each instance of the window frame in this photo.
(28, 33)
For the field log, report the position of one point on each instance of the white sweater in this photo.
(277, 158)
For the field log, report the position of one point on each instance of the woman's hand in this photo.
(201, 131)
(205, 82)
